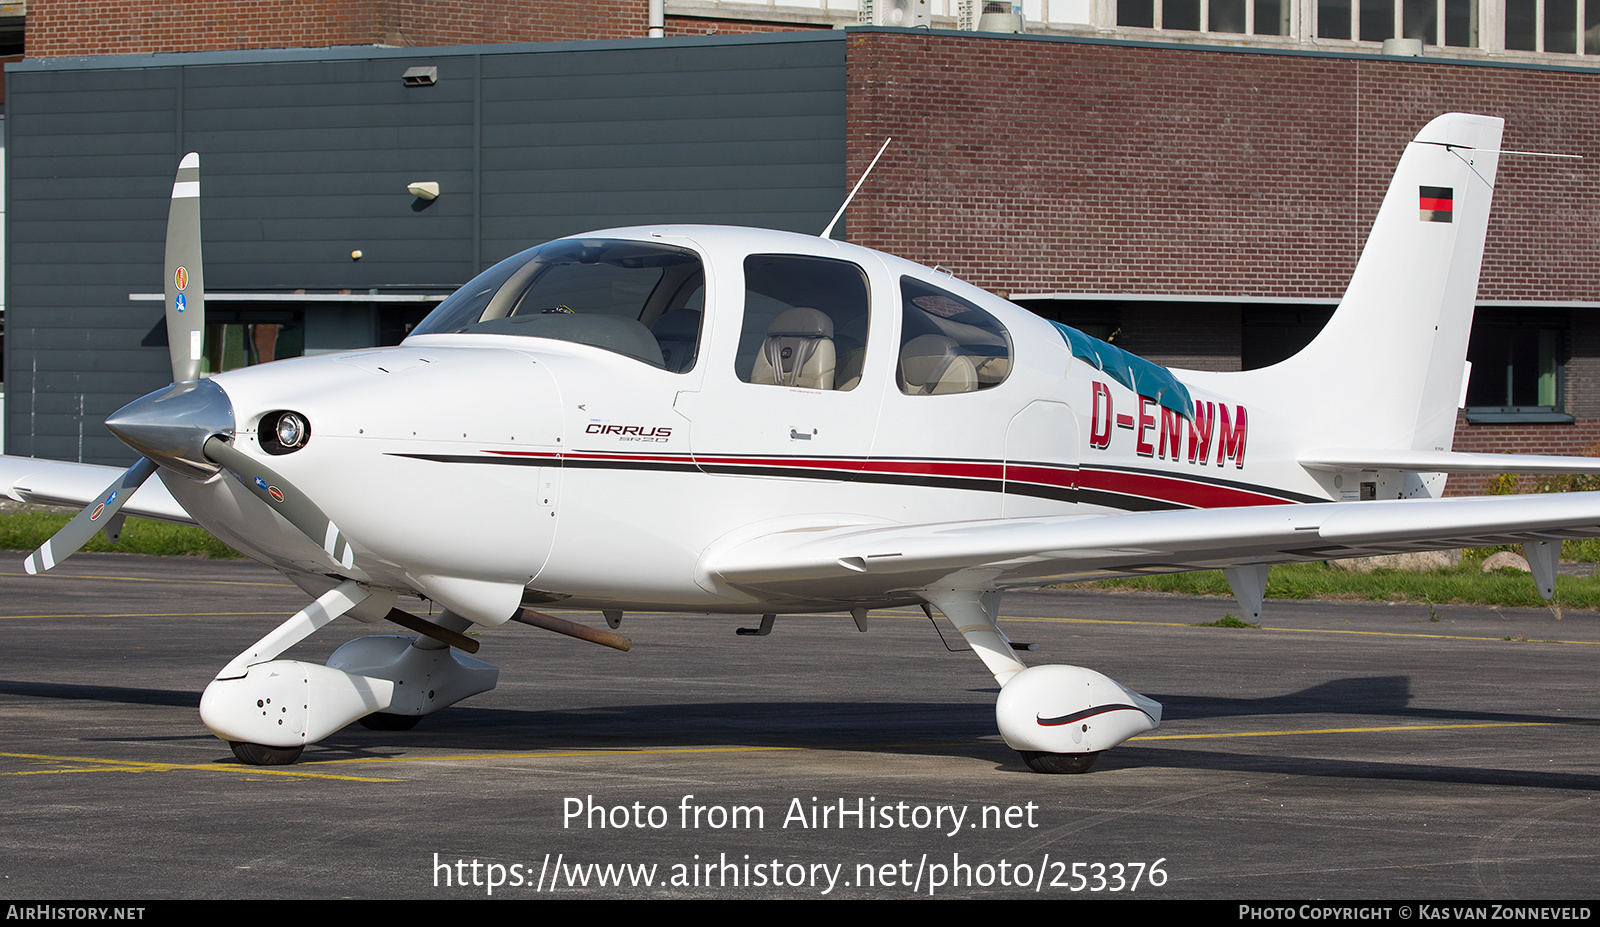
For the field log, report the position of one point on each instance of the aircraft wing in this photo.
(1445, 462)
(53, 482)
(830, 564)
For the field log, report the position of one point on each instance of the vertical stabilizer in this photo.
(1387, 371)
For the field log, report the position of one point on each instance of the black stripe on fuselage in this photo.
(1108, 499)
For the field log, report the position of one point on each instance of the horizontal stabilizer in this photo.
(1445, 462)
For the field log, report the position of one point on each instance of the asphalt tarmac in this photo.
(1342, 751)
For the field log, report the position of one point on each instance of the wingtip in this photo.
(192, 159)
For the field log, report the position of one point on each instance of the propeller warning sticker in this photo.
(273, 491)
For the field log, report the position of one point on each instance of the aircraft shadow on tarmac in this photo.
(917, 728)
(1135, 755)
(126, 695)
(1384, 696)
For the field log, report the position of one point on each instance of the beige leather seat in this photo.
(933, 364)
(678, 333)
(798, 351)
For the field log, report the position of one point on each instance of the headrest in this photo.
(801, 322)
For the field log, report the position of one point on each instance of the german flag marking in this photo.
(1437, 204)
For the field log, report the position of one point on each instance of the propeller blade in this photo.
(186, 325)
(185, 287)
(282, 497)
(70, 539)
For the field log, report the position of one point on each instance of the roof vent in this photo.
(1404, 48)
(903, 13)
(999, 20)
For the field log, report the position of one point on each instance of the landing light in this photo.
(291, 430)
(285, 432)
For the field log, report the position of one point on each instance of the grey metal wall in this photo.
(306, 155)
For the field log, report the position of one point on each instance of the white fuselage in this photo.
(599, 480)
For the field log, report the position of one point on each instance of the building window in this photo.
(1557, 26)
(1452, 23)
(245, 337)
(1376, 20)
(1518, 361)
(1240, 17)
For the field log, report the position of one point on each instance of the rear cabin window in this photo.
(805, 322)
(948, 344)
(639, 300)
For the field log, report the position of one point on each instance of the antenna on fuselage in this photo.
(829, 230)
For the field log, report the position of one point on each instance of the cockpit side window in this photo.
(637, 299)
(948, 344)
(805, 322)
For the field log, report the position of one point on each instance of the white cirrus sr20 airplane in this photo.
(739, 421)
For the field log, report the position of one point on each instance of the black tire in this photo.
(263, 755)
(1059, 763)
(384, 721)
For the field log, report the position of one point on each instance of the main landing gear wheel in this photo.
(263, 755)
(1058, 763)
(384, 721)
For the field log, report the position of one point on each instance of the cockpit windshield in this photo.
(639, 300)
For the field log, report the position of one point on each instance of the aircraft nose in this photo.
(171, 425)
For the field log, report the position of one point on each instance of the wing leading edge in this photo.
(851, 562)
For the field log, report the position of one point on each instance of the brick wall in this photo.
(61, 28)
(694, 25)
(1039, 166)
(58, 28)
(483, 22)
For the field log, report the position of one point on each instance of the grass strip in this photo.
(1465, 584)
(27, 529)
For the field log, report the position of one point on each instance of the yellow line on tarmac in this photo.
(151, 579)
(279, 613)
(1178, 624)
(667, 751)
(304, 768)
(96, 764)
(150, 615)
(1442, 637)
(661, 751)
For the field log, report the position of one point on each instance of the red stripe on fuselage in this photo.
(1175, 489)
(1191, 493)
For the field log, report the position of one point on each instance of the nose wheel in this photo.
(1059, 763)
(263, 755)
